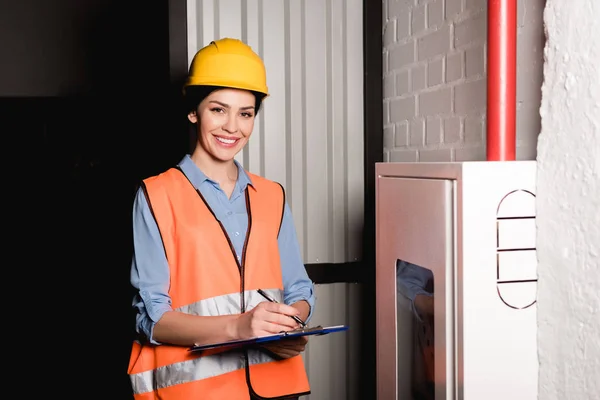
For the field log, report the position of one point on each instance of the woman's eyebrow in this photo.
(225, 105)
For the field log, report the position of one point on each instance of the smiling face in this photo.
(224, 120)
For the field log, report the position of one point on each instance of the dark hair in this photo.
(195, 94)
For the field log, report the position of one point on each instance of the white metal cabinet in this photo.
(471, 227)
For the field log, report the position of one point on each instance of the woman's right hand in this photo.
(266, 319)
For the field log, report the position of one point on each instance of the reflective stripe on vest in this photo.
(229, 303)
(209, 365)
(193, 370)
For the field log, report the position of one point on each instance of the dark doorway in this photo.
(87, 92)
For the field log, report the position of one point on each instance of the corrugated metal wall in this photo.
(333, 361)
(309, 135)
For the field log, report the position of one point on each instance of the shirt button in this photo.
(237, 234)
(228, 212)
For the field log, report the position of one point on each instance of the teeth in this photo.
(226, 141)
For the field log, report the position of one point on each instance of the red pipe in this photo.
(502, 84)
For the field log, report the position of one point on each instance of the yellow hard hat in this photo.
(228, 63)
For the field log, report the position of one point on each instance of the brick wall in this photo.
(434, 79)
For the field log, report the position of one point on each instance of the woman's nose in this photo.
(230, 125)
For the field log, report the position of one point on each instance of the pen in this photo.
(272, 300)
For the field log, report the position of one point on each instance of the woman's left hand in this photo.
(287, 348)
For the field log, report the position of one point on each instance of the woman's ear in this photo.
(193, 117)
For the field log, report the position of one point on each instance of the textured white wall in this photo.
(568, 204)
(435, 77)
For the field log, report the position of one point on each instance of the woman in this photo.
(207, 236)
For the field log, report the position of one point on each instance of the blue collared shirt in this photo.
(149, 268)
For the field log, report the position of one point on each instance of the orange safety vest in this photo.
(206, 279)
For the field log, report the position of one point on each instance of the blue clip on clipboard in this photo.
(317, 330)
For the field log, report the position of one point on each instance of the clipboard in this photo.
(317, 330)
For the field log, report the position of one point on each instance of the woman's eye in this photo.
(247, 115)
(217, 109)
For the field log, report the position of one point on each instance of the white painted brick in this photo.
(530, 63)
(472, 30)
(453, 7)
(386, 112)
(402, 55)
(401, 138)
(434, 44)
(384, 12)
(529, 82)
(474, 130)
(419, 20)
(418, 78)
(534, 12)
(526, 153)
(470, 97)
(528, 123)
(388, 137)
(435, 102)
(403, 27)
(470, 153)
(521, 13)
(452, 130)
(389, 33)
(398, 7)
(436, 155)
(454, 66)
(450, 112)
(484, 129)
(403, 156)
(433, 131)
(435, 72)
(476, 5)
(435, 13)
(389, 85)
(402, 109)
(417, 132)
(475, 61)
(402, 82)
(384, 62)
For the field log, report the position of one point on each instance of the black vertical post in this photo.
(373, 153)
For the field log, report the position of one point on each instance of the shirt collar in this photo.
(197, 177)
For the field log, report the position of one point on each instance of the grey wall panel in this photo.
(332, 360)
(295, 128)
(318, 224)
(354, 118)
(251, 21)
(309, 134)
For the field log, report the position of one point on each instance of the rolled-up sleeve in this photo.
(297, 285)
(149, 269)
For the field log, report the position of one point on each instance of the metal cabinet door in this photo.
(415, 225)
